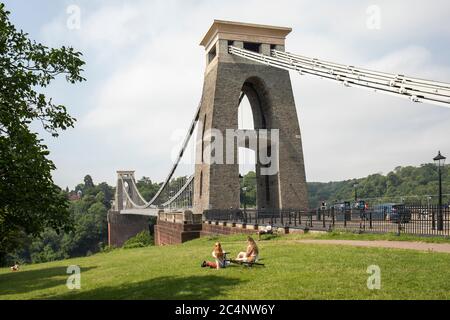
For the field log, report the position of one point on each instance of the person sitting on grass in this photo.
(15, 267)
(252, 253)
(266, 230)
(218, 255)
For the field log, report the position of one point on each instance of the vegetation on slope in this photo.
(413, 184)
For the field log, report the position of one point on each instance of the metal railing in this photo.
(400, 219)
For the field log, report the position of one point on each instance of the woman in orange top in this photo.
(218, 255)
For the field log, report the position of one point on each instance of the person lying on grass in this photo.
(252, 253)
(218, 255)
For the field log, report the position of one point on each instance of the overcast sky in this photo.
(145, 74)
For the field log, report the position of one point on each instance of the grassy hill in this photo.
(292, 271)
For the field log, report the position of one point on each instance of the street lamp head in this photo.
(440, 160)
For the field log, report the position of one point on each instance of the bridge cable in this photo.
(415, 89)
(172, 171)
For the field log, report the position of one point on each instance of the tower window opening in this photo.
(250, 46)
(212, 54)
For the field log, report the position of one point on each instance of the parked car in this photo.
(343, 211)
(393, 212)
(342, 206)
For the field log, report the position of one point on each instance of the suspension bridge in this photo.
(250, 60)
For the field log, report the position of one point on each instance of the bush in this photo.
(107, 248)
(141, 240)
(134, 245)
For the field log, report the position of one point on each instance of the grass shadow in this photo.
(163, 288)
(31, 280)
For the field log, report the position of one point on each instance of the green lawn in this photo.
(366, 237)
(292, 271)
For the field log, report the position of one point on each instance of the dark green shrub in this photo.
(141, 240)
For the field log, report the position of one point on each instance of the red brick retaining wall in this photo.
(123, 227)
(167, 233)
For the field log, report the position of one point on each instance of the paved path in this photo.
(419, 246)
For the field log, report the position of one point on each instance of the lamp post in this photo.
(440, 163)
(244, 196)
(241, 190)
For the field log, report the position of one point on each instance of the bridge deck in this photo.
(141, 212)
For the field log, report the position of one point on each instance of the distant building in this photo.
(74, 196)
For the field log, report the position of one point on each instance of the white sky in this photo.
(145, 73)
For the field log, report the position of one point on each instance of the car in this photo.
(342, 206)
(343, 211)
(393, 212)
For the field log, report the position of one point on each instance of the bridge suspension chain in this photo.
(164, 198)
(414, 89)
(182, 195)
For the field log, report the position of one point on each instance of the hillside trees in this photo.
(88, 235)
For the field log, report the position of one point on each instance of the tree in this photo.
(29, 200)
(248, 187)
(88, 182)
(414, 184)
(108, 194)
(147, 188)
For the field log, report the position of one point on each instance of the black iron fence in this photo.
(401, 219)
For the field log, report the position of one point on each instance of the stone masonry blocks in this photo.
(219, 183)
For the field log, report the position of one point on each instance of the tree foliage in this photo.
(88, 235)
(141, 240)
(248, 190)
(413, 184)
(88, 182)
(147, 188)
(29, 200)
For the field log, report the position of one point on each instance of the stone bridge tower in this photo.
(269, 92)
(122, 227)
